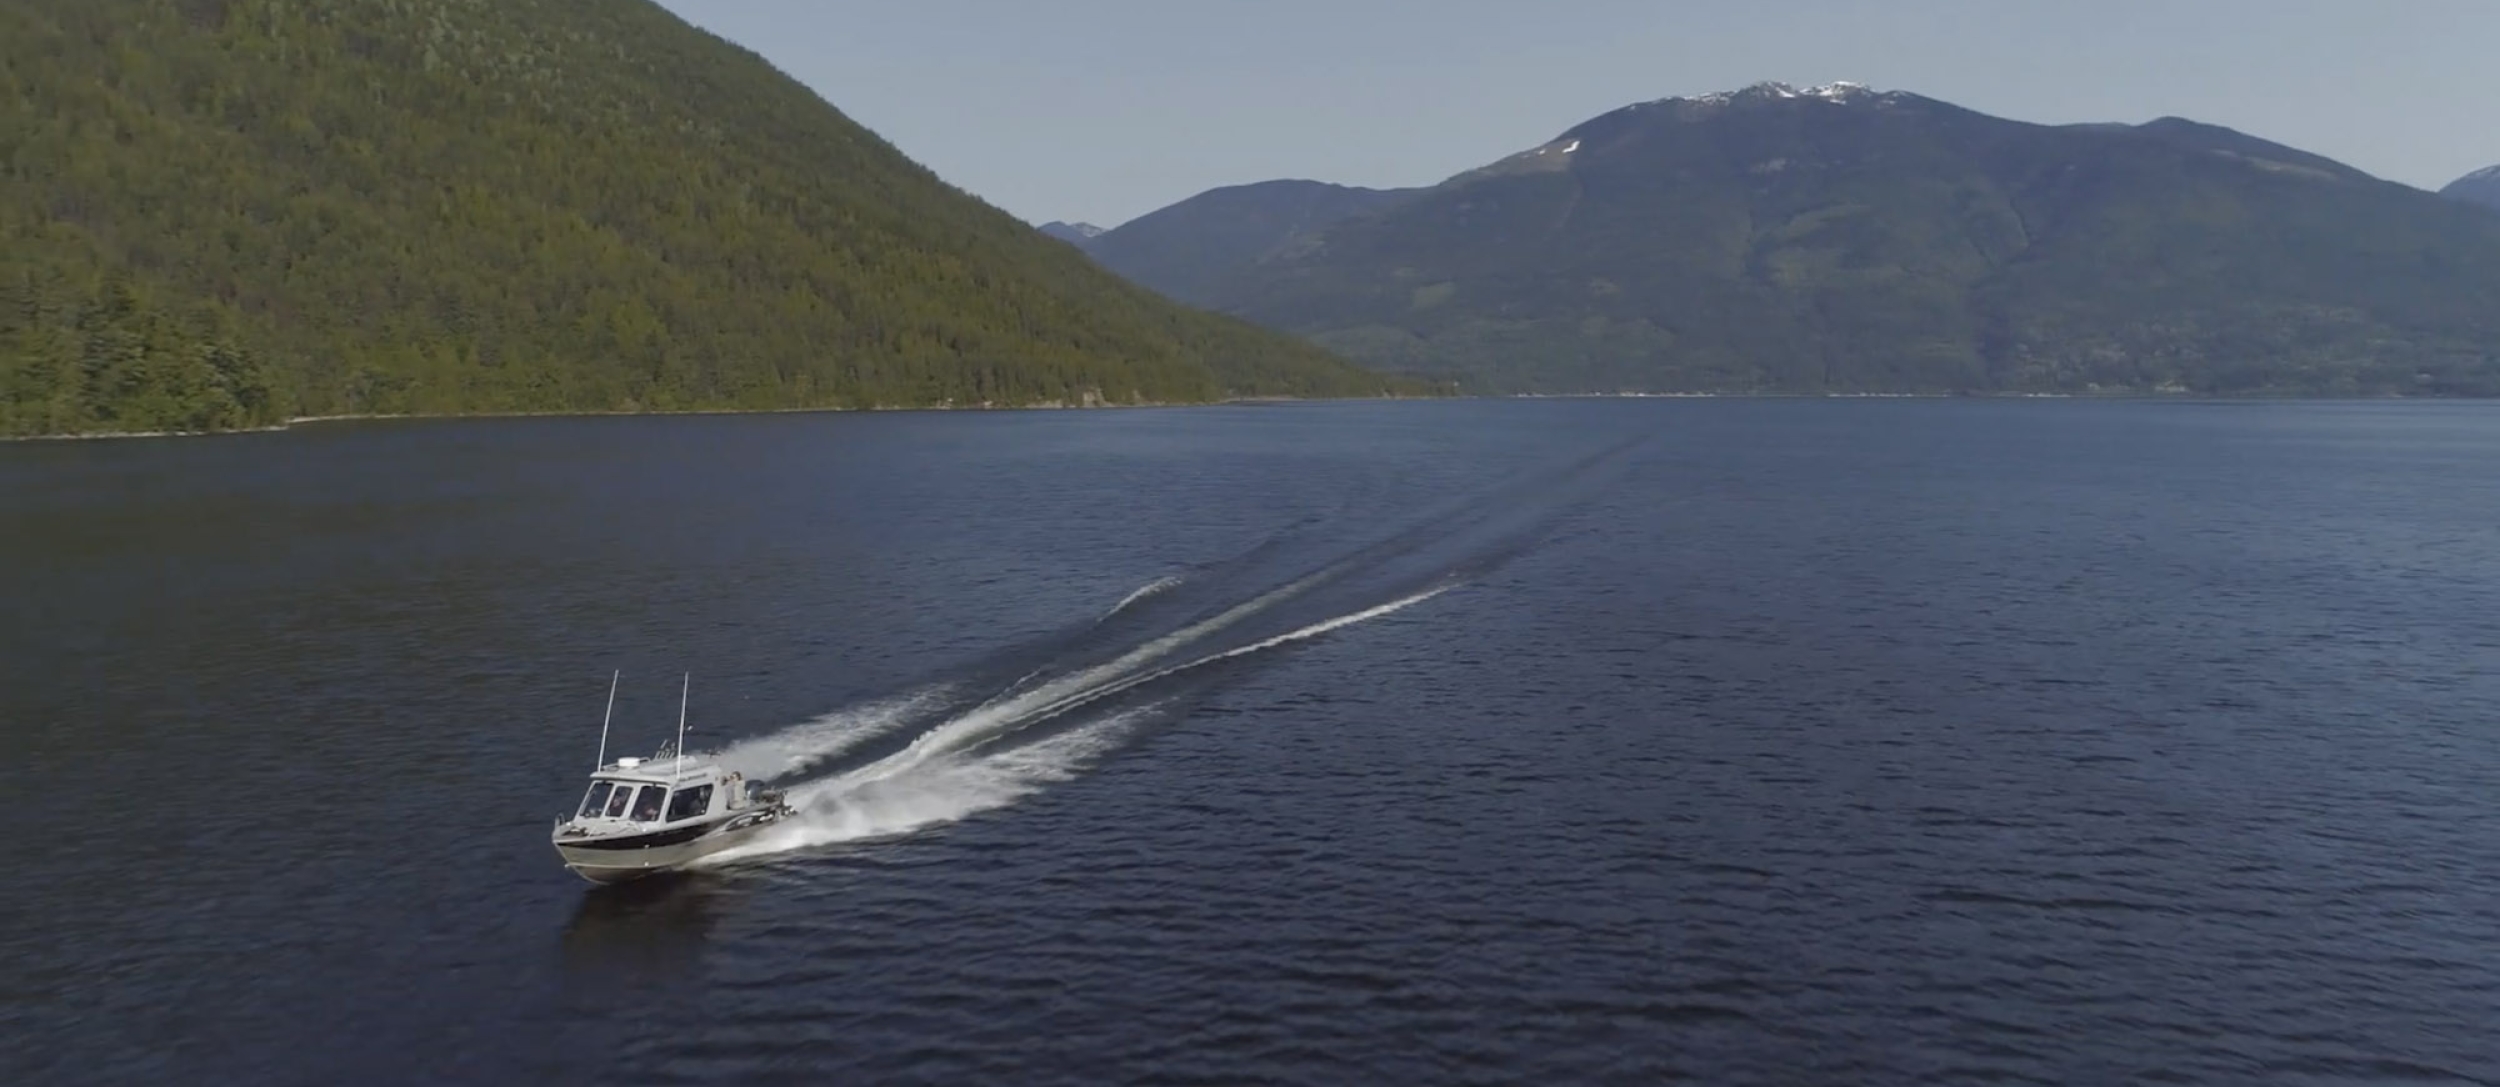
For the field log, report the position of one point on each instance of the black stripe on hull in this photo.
(653, 840)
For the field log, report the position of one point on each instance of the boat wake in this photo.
(1043, 713)
(1150, 588)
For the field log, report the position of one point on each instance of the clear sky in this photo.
(1102, 110)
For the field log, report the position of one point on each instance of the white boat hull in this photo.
(618, 858)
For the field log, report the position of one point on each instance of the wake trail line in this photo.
(925, 785)
(1026, 712)
(1158, 585)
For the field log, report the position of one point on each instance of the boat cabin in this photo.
(632, 790)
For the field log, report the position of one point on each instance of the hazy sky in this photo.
(1102, 110)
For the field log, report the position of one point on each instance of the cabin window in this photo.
(647, 807)
(620, 801)
(597, 801)
(689, 803)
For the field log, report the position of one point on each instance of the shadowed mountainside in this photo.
(1840, 239)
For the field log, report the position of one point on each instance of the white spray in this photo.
(809, 743)
(937, 779)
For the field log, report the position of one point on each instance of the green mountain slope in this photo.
(224, 212)
(1839, 239)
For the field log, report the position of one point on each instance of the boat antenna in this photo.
(681, 724)
(605, 718)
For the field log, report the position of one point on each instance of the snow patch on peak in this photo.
(1838, 91)
(2487, 173)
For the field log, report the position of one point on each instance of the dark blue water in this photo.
(1587, 742)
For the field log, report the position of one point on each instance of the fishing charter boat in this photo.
(644, 816)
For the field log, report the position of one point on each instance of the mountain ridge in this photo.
(1227, 226)
(1075, 233)
(2480, 188)
(1846, 239)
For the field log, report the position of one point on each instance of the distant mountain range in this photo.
(2480, 187)
(1078, 233)
(1843, 239)
(1193, 249)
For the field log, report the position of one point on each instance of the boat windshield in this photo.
(690, 803)
(619, 801)
(597, 801)
(647, 808)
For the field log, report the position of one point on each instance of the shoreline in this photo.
(1239, 401)
(593, 413)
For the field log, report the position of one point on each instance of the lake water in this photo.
(1766, 742)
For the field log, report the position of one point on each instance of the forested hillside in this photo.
(221, 213)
